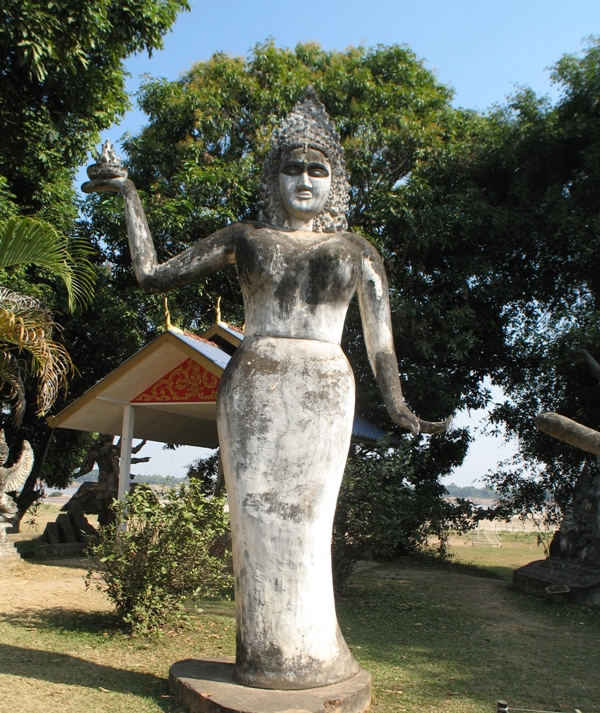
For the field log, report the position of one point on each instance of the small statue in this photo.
(108, 165)
(12, 478)
(106, 455)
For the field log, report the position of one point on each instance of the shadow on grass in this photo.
(69, 562)
(69, 670)
(505, 573)
(73, 621)
(76, 621)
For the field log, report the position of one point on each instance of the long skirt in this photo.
(284, 414)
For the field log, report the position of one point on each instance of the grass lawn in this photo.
(435, 636)
(516, 550)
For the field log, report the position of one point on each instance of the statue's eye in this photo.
(318, 170)
(292, 169)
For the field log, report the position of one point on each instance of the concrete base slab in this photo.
(207, 686)
(581, 581)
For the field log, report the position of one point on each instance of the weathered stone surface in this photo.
(578, 538)
(79, 521)
(11, 479)
(8, 552)
(66, 529)
(208, 686)
(283, 470)
(581, 579)
(51, 533)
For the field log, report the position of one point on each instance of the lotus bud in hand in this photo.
(108, 165)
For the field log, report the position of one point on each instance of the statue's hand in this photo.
(100, 185)
(107, 174)
(407, 419)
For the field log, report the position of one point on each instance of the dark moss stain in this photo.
(271, 504)
(264, 665)
(316, 275)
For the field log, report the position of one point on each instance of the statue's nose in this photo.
(305, 181)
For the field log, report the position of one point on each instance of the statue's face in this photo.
(304, 183)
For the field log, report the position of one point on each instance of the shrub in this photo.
(163, 554)
(389, 505)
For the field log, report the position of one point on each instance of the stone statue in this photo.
(11, 479)
(103, 452)
(286, 400)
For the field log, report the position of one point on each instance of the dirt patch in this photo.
(52, 585)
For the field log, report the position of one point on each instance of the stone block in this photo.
(51, 533)
(581, 579)
(66, 529)
(80, 522)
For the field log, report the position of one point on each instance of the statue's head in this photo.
(306, 148)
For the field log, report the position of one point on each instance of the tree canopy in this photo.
(62, 81)
(487, 224)
(517, 193)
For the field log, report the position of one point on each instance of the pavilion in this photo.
(166, 392)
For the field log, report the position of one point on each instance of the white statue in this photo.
(11, 479)
(286, 401)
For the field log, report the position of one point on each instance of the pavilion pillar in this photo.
(126, 445)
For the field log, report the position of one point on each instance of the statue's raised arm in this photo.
(206, 256)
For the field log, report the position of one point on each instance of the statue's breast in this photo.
(294, 274)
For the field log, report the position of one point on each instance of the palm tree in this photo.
(26, 325)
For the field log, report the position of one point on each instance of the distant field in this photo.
(516, 550)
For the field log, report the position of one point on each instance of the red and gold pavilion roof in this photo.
(172, 382)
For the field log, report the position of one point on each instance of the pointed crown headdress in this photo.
(309, 125)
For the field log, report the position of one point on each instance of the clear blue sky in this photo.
(483, 49)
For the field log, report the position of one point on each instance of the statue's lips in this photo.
(304, 195)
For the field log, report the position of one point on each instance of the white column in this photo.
(126, 443)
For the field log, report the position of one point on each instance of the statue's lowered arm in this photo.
(373, 297)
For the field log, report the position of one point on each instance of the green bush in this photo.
(162, 555)
(389, 505)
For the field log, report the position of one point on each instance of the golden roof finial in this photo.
(218, 311)
(170, 327)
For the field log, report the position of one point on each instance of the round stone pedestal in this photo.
(207, 686)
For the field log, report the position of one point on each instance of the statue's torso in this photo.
(297, 285)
